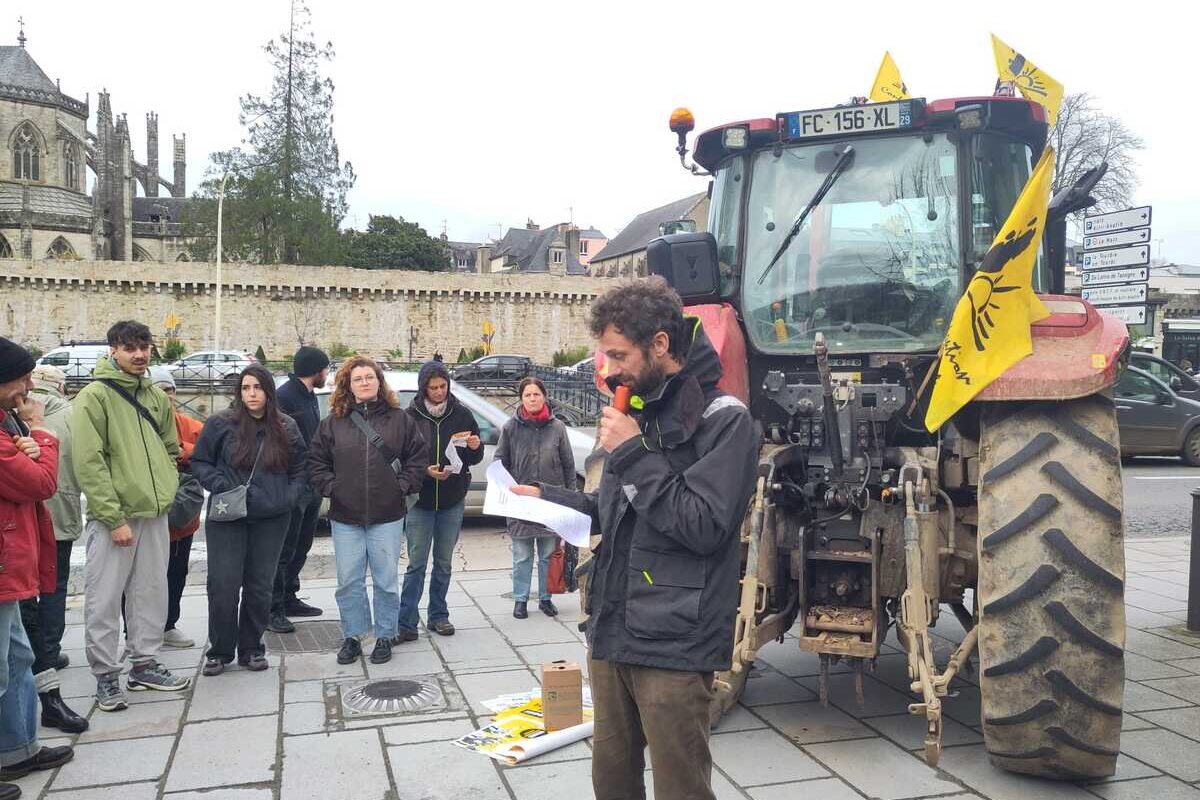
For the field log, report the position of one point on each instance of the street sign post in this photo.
(1108, 277)
(1130, 315)
(1104, 241)
(1116, 295)
(1117, 221)
(1136, 256)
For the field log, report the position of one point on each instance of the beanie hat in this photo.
(48, 378)
(15, 361)
(308, 361)
(161, 376)
(429, 371)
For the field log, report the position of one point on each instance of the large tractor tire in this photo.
(1051, 587)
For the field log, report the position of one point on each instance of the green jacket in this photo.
(64, 507)
(125, 466)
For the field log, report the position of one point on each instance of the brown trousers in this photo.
(663, 709)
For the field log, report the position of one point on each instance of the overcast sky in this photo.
(483, 114)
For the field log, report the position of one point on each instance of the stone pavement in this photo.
(283, 734)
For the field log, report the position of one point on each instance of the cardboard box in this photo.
(562, 695)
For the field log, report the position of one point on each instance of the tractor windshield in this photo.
(875, 266)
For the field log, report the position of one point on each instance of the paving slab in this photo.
(880, 769)
(1185, 721)
(773, 687)
(346, 765)
(473, 775)
(908, 731)
(1153, 602)
(722, 787)
(879, 698)
(542, 781)
(235, 694)
(135, 722)
(1139, 698)
(128, 791)
(486, 685)
(244, 793)
(418, 732)
(1186, 688)
(1164, 750)
(1127, 769)
(806, 723)
(537, 629)
(753, 758)
(823, 788)
(1145, 620)
(303, 691)
(319, 666)
(538, 654)
(472, 645)
(109, 762)
(405, 663)
(738, 719)
(970, 765)
(225, 753)
(302, 718)
(788, 658)
(1161, 788)
(1141, 668)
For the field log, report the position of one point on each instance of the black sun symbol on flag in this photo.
(990, 282)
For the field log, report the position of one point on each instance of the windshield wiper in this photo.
(838, 168)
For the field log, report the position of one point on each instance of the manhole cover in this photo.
(393, 696)
(310, 637)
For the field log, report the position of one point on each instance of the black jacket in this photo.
(300, 403)
(356, 477)
(535, 451)
(270, 493)
(664, 586)
(435, 494)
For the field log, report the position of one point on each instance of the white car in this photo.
(490, 418)
(76, 360)
(584, 367)
(210, 366)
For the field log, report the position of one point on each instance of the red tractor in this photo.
(839, 242)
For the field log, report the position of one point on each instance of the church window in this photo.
(61, 249)
(26, 154)
(140, 254)
(71, 164)
(5, 248)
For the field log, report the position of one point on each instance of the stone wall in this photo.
(373, 311)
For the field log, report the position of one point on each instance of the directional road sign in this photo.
(1130, 315)
(1104, 241)
(1117, 220)
(1136, 256)
(1116, 295)
(1108, 277)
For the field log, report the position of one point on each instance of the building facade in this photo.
(45, 208)
(625, 254)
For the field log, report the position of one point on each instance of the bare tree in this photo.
(1082, 138)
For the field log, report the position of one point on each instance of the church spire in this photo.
(21, 35)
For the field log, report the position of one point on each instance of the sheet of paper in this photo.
(568, 523)
(456, 464)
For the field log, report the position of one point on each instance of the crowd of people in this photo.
(675, 484)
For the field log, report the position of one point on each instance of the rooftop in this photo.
(644, 227)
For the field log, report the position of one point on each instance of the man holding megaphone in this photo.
(664, 584)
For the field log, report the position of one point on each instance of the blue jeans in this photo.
(18, 697)
(429, 530)
(523, 565)
(354, 546)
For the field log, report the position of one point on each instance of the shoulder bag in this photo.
(230, 506)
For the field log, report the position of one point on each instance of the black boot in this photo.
(351, 650)
(547, 608)
(57, 714)
(519, 610)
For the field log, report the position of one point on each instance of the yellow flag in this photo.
(1033, 83)
(990, 328)
(888, 83)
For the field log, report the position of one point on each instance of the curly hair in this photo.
(638, 310)
(343, 398)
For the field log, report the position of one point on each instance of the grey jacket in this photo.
(65, 507)
(536, 452)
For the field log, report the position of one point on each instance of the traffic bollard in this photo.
(1193, 615)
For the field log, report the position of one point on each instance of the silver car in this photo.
(490, 418)
(209, 366)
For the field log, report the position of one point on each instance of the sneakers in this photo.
(173, 637)
(405, 635)
(547, 608)
(442, 627)
(382, 652)
(212, 667)
(279, 623)
(157, 677)
(46, 758)
(351, 650)
(255, 663)
(299, 608)
(520, 609)
(109, 696)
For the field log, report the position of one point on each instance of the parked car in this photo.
(490, 418)
(1166, 372)
(493, 370)
(584, 367)
(1154, 420)
(209, 366)
(76, 360)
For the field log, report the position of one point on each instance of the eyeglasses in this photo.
(359, 381)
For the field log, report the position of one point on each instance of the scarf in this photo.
(540, 416)
(436, 410)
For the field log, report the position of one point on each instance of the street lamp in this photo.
(220, 209)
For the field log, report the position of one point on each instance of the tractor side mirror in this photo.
(689, 263)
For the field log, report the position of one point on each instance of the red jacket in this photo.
(188, 430)
(27, 549)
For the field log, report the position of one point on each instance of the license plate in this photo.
(851, 119)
